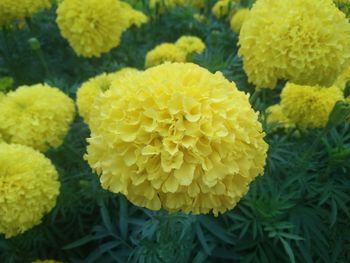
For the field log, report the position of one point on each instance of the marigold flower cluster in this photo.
(176, 136)
(178, 52)
(28, 188)
(89, 90)
(303, 41)
(38, 116)
(14, 11)
(93, 27)
(309, 106)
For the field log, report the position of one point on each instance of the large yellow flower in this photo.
(304, 41)
(176, 136)
(93, 27)
(13, 11)
(190, 44)
(28, 188)
(165, 52)
(309, 106)
(38, 116)
(89, 90)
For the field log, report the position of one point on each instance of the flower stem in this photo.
(35, 45)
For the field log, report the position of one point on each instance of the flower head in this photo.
(165, 52)
(303, 41)
(93, 27)
(190, 44)
(14, 11)
(176, 136)
(309, 106)
(238, 19)
(28, 188)
(89, 90)
(38, 116)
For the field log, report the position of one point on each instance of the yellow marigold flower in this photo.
(38, 116)
(309, 106)
(303, 41)
(238, 19)
(190, 44)
(165, 52)
(28, 188)
(276, 115)
(93, 27)
(179, 137)
(223, 7)
(14, 11)
(89, 90)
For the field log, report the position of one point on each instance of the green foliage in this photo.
(297, 212)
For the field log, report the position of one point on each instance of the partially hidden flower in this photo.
(165, 52)
(238, 19)
(303, 41)
(29, 188)
(88, 91)
(309, 106)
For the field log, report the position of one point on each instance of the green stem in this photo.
(253, 98)
(39, 52)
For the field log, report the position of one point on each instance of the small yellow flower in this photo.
(190, 44)
(165, 52)
(28, 188)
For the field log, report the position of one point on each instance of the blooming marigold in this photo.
(38, 116)
(304, 41)
(28, 188)
(93, 27)
(89, 90)
(13, 11)
(165, 52)
(176, 136)
(190, 44)
(309, 106)
(238, 19)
